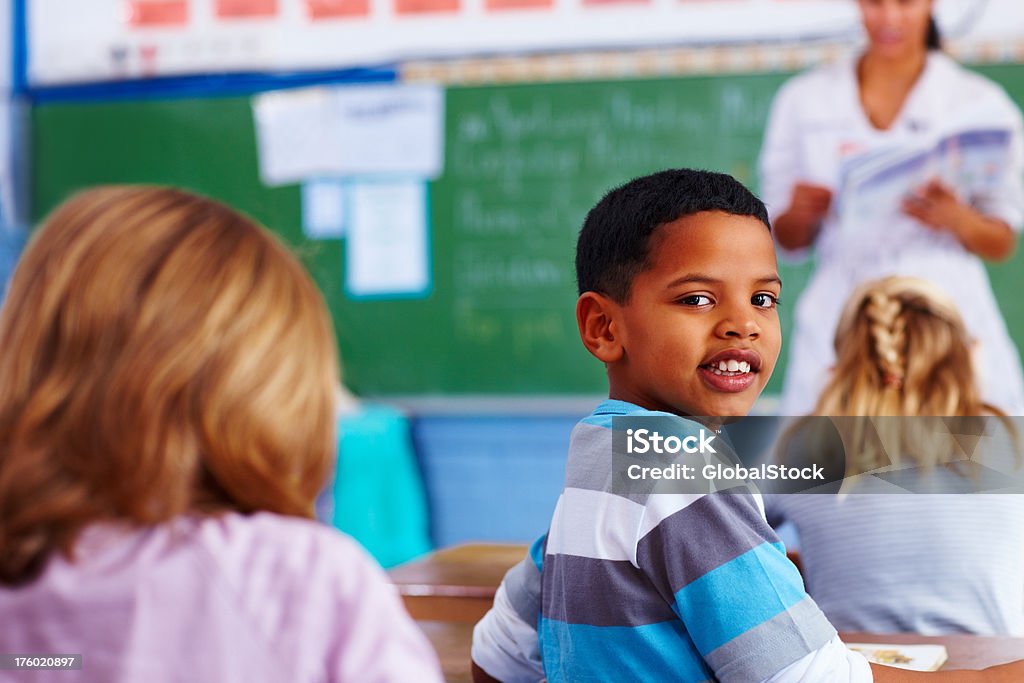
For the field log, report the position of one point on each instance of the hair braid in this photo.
(888, 332)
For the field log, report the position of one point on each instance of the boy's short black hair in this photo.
(613, 244)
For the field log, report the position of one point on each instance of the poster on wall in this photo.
(238, 9)
(154, 13)
(325, 10)
(102, 40)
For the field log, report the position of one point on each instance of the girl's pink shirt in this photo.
(233, 598)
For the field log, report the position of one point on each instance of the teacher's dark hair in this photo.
(933, 40)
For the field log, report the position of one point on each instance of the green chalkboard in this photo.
(523, 164)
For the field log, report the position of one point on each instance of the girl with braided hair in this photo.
(902, 349)
(891, 560)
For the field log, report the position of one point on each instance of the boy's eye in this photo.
(765, 300)
(695, 300)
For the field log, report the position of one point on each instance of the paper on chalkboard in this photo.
(323, 208)
(390, 129)
(294, 136)
(386, 254)
(382, 130)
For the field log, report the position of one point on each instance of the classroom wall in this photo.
(494, 478)
(489, 475)
(493, 475)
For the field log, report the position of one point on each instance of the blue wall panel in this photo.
(492, 478)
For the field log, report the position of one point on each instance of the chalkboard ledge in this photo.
(489, 405)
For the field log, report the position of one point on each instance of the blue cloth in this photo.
(378, 491)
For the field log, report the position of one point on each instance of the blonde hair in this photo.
(902, 349)
(161, 354)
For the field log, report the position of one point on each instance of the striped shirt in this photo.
(893, 554)
(674, 587)
(929, 563)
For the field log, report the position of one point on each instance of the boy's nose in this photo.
(737, 327)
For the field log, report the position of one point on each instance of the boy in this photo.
(678, 294)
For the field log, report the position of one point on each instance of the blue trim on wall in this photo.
(206, 85)
(19, 46)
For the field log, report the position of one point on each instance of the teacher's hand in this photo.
(798, 225)
(936, 206)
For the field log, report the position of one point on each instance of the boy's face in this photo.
(700, 330)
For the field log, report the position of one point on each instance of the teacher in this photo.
(897, 161)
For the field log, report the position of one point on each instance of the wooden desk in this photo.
(457, 583)
(453, 640)
(451, 589)
(965, 652)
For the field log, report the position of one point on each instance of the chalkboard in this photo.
(523, 164)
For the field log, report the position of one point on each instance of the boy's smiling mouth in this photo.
(731, 370)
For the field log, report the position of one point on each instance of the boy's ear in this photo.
(597, 318)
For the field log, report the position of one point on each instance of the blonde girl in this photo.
(886, 559)
(167, 372)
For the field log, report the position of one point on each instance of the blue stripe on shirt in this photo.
(654, 652)
(603, 414)
(739, 595)
(537, 551)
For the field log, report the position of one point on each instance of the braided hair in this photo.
(888, 325)
(901, 350)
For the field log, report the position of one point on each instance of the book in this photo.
(874, 183)
(912, 657)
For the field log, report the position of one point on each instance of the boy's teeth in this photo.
(731, 366)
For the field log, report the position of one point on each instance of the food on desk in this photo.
(913, 657)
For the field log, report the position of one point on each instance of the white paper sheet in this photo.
(323, 208)
(387, 252)
(295, 135)
(390, 129)
(350, 131)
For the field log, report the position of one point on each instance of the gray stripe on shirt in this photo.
(584, 590)
(522, 586)
(669, 551)
(589, 465)
(773, 645)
